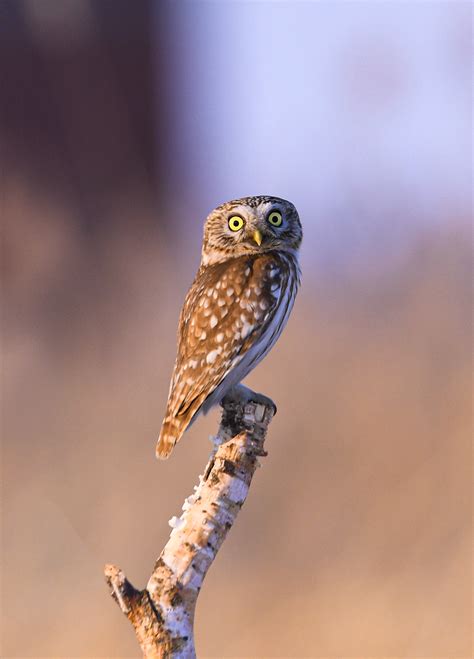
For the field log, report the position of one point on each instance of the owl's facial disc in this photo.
(250, 225)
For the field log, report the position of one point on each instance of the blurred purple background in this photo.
(121, 126)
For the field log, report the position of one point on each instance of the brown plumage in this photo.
(236, 307)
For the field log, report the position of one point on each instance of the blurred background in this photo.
(121, 126)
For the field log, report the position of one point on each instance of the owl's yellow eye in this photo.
(235, 223)
(275, 218)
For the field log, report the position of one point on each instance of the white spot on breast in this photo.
(257, 290)
(193, 363)
(247, 272)
(263, 304)
(205, 304)
(203, 336)
(189, 381)
(219, 337)
(220, 303)
(213, 321)
(214, 295)
(212, 356)
(230, 291)
(209, 292)
(246, 329)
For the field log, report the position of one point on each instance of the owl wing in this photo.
(232, 315)
(222, 318)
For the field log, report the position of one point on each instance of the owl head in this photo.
(251, 225)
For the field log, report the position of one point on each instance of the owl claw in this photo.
(242, 394)
(261, 399)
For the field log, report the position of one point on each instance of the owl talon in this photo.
(261, 399)
(242, 394)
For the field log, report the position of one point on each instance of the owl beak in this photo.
(257, 236)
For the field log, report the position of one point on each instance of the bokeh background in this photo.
(122, 125)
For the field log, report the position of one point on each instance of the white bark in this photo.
(163, 613)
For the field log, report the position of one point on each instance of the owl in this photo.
(236, 308)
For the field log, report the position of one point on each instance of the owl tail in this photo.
(169, 435)
(171, 431)
(174, 426)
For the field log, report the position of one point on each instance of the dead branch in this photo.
(163, 613)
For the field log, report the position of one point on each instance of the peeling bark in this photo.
(163, 613)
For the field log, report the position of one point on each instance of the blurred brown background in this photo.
(121, 125)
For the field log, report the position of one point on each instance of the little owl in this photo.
(236, 308)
